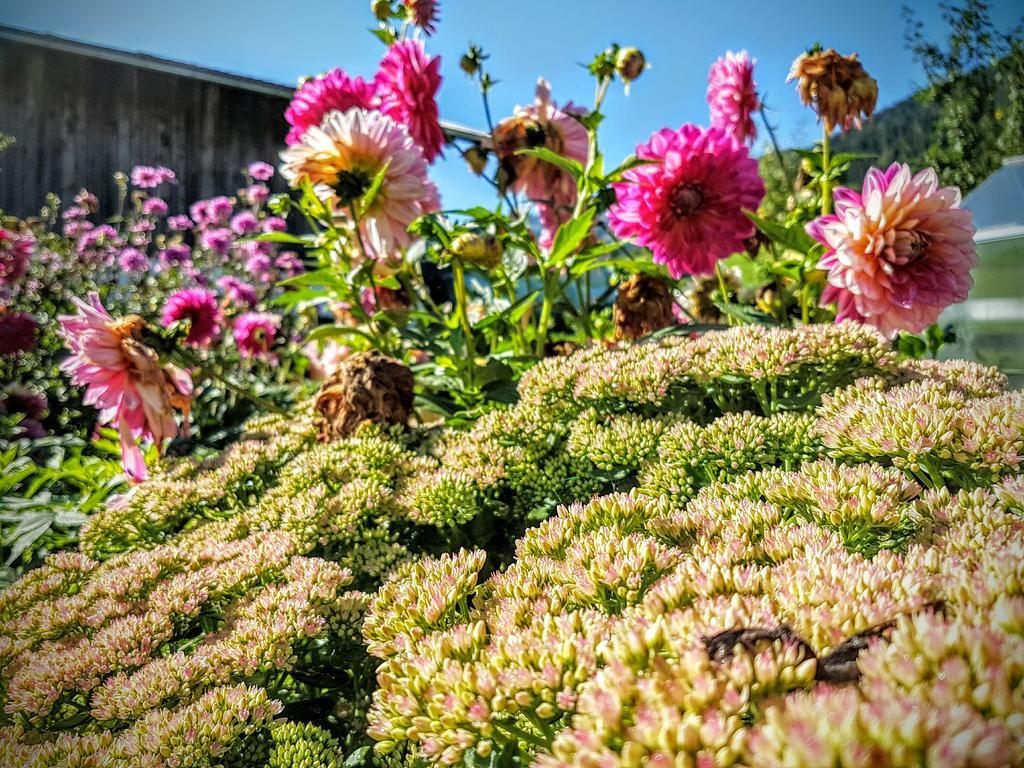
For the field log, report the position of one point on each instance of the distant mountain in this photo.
(901, 132)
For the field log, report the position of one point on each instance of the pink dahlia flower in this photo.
(260, 171)
(899, 252)
(424, 14)
(343, 156)
(732, 95)
(124, 379)
(254, 334)
(687, 206)
(407, 84)
(15, 251)
(333, 90)
(542, 124)
(17, 332)
(199, 307)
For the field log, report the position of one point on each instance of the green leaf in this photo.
(569, 237)
(628, 164)
(565, 163)
(515, 262)
(338, 332)
(284, 237)
(792, 237)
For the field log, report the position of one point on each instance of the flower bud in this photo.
(469, 64)
(381, 9)
(476, 158)
(630, 63)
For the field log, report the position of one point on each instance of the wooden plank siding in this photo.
(77, 117)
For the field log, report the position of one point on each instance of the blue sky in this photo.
(280, 41)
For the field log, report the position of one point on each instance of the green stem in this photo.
(826, 181)
(461, 302)
(545, 321)
(721, 287)
(775, 147)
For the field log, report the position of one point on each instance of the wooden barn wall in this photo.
(77, 119)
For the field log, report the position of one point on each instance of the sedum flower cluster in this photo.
(751, 525)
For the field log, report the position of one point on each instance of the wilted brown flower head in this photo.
(701, 297)
(643, 306)
(838, 87)
(367, 387)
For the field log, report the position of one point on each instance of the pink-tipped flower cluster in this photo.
(732, 95)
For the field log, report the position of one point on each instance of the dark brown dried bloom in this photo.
(836, 86)
(367, 387)
(643, 306)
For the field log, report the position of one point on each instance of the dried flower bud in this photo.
(836, 86)
(643, 306)
(630, 63)
(381, 9)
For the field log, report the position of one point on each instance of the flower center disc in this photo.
(686, 200)
(352, 185)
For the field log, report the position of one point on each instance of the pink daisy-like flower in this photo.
(424, 14)
(687, 206)
(274, 224)
(343, 156)
(238, 291)
(260, 266)
(179, 223)
(15, 252)
(124, 379)
(17, 332)
(212, 212)
(732, 95)
(899, 252)
(256, 194)
(177, 255)
(154, 206)
(245, 223)
(254, 334)
(290, 263)
(133, 260)
(542, 124)
(149, 177)
(260, 170)
(199, 307)
(333, 90)
(218, 240)
(407, 83)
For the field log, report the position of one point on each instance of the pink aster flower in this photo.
(687, 206)
(290, 263)
(260, 266)
(542, 124)
(333, 90)
(275, 224)
(15, 251)
(732, 95)
(174, 256)
(218, 240)
(260, 170)
(212, 212)
(256, 194)
(154, 206)
(199, 307)
(407, 84)
(148, 177)
(133, 260)
(254, 334)
(179, 223)
(899, 252)
(423, 13)
(238, 291)
(343, 156)
(17, 332)
(245, 223)
(124, 379)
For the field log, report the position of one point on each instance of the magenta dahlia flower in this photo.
(254, 334)
(199, 307)
(333, 90)
(407, 84)
(17, 332)
(15, 252)
(687, 206)
(899, 252)
(343, 156)
(124, 379)
(260, 171)
(732, 95)
(424, 14)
